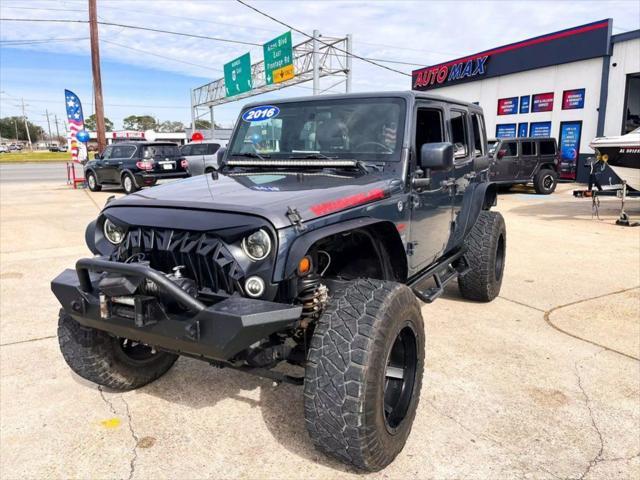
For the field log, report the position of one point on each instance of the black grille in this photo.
(205, 257)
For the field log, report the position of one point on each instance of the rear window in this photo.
(151, 151)
(547, 147)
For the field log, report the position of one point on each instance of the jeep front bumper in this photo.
(216, 332)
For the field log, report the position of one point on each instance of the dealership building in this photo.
(573, 85)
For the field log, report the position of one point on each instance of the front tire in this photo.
(364, 373)
(109, 361)
(129, 184)
(486, 250)
(545, 181)
(92, 182)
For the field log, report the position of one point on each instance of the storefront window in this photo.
(632, 104)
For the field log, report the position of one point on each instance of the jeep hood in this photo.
(268, 195)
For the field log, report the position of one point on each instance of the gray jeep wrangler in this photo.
(328, 219)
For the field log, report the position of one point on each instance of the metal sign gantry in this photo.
(313, 59)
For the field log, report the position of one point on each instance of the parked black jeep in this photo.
(134, 165)
(328, 217)
(519, 161)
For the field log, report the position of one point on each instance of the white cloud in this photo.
(413, 31)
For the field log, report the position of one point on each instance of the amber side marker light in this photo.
(304, 266)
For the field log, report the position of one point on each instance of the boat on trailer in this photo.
(622, 154)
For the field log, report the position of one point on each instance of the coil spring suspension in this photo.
(313, 296)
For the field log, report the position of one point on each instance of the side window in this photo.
(547, 147)
(117, 152)
(127, 152)
(478, 135)
(429, 127)
(459, 134)
(213, 148)
(510, 149)
(528, 148)
(199, 149)
(107, 153)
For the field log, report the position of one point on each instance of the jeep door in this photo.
(466, 130)
(528, 159)
(431, 207)
(507, 164)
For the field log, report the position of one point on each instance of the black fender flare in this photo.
(301, 245)
(482, 196)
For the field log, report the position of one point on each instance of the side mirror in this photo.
(436, 156)
(501, 154)
(220, 156)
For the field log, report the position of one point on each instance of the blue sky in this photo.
(418, 32)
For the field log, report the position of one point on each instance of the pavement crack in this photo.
(107, 401)
(28, 340)
(598, 457)
(547, 319)
(134, 436)
(521, 304)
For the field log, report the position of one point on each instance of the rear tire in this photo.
(364, 373)
(129, 184)
(103, 359)
(545, 181)
(486, 250)
(92, 182)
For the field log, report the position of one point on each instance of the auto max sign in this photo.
(449, 73)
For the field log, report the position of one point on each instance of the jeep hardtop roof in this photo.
(409, 95)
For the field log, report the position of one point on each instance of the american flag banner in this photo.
(75, 120)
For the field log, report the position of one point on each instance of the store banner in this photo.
(522, 129)
(506, 130)
(542, 102)
(573, 99)
(569, 145)
(508, 106)
(540, 129)
(524, 104)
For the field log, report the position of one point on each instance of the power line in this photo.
(319, 40)
(133, 27)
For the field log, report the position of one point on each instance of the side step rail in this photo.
(442, 274)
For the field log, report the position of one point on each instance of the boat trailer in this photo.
(622, 192)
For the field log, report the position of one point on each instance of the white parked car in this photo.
(4, 149)
(201, 156)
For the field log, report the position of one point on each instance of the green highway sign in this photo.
(278, 59)
(237, 75)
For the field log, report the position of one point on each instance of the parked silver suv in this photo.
(201, 156)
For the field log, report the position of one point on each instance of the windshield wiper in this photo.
(251, 155)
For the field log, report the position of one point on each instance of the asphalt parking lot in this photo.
(544, 382)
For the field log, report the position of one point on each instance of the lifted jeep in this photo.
(327, 218)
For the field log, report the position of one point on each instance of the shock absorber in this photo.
(313, 295)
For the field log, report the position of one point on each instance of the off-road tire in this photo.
(98, 357)
(92, 182)
(346, 372)
(486, 248)
(545, 181)
(129, 186)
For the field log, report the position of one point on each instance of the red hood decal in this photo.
(343, 203)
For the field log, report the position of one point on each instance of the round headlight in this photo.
(257, 245)
(113, 232)
(254, 286)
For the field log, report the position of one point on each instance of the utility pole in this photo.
(26, 126)
(48, 125)
(55, 116)
(95, 68)
(15, 122)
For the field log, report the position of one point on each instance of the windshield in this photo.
(358, 128)
(151, 151)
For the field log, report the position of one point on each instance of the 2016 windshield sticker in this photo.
(258, 114)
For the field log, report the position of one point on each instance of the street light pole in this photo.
(95, 68)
